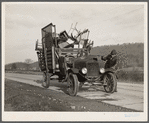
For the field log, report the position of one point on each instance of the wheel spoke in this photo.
(109, 79)
(71, 84)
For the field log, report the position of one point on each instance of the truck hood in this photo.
(80, 62)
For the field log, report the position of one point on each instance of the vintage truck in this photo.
(68, 57)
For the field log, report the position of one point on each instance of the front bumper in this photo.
(92, 78)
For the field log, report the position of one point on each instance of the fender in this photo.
(74, 70)
(111, 70)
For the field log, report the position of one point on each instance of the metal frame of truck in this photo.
(52, 61)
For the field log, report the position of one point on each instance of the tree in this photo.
(28, 62)
(14, 66)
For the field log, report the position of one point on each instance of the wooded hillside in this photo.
(130, 55)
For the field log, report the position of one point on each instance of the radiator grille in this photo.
(93, 69)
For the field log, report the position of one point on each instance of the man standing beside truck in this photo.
(111, 61)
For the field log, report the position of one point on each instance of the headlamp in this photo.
(84, 70)
(102, 70)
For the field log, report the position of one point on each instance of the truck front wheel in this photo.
(72, 84)
(111, 83)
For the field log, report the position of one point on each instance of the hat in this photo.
(113, 52)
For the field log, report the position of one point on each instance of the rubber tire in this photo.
(114, 83)
(73, 77)
(46, 80)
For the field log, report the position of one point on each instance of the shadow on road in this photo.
(63, 87)
(56, 85)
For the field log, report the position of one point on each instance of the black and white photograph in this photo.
(74, 61)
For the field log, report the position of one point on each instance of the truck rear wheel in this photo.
(46, 80)
(111, 82)
(72, 84)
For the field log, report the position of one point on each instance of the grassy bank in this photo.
(130, 76)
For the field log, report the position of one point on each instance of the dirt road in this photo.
(128, 98)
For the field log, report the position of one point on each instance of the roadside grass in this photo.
(24, 97)
(131, 76)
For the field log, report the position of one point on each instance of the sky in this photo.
(109, 24)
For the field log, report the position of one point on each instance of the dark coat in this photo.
(111, 60)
